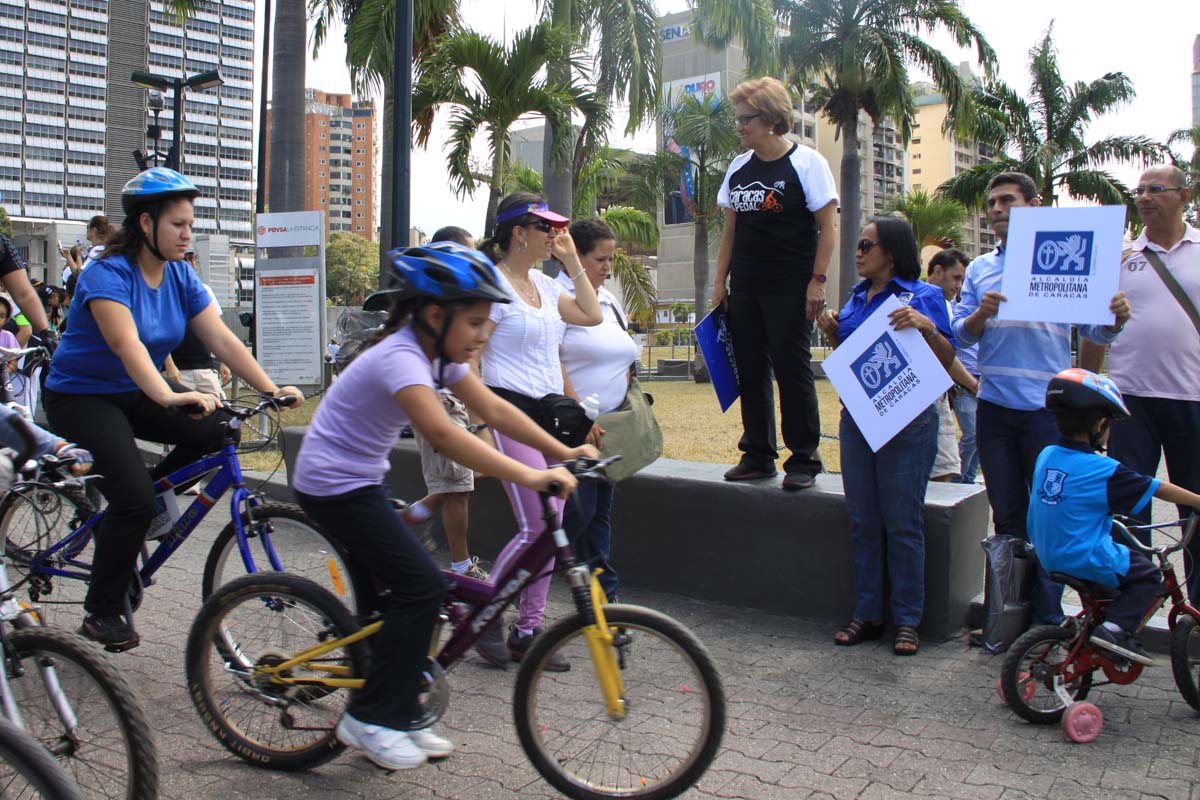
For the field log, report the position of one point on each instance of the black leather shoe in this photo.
(745, 472)
(794, 481)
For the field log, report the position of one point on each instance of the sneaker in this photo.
(794, 481)
(491, 647)
(1123, 644)
(475, 571)
(432, 745)
(746, 472)
(385, 747)
(519, 644)
(113, 632)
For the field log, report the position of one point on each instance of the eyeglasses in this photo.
(865, 245)
(543, 226)
(746, 119)
(1154, 188)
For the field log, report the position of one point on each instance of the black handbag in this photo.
(556, 414)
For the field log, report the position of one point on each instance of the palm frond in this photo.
(638, 292)
(632, 226)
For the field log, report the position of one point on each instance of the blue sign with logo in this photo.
(715, 339)
(1065, 253)
(878, 365)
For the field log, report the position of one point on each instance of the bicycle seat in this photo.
(1097, 591)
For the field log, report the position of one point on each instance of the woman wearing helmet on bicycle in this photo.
(436, 325)
(1074, 494)
(104, 387)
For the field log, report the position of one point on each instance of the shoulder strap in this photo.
(1173, 286)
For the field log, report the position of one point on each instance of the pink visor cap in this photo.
(539, 210)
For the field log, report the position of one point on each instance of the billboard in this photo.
(680, 196)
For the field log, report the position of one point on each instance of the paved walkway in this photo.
(807, 720)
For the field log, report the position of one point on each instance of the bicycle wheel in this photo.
(674, 700)
(109, 750)
(33, 518)
(302, 548)
(1027, 675)
(1185, 659)
(27, 770)
(266, 618)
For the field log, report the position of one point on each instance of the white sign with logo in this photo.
(291, 229)
(289, 298)
(885, 377)
(1062, 264)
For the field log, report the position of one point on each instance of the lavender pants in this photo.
(527, 508)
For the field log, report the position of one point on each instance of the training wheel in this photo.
(1082, 722)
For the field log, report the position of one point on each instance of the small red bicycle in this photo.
(1050, 669)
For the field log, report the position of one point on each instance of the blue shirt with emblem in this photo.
(1075, 493)
(84, 363)
(929, 300)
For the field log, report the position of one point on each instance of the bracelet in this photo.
(576, 275)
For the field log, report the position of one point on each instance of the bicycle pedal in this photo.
(1127, 655)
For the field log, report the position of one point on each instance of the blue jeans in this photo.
(1009, 443)
(965, 404)
(885, 497)
(587, 519)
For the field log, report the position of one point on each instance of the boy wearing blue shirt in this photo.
(1076, 491)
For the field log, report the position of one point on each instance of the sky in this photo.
(1150, 41)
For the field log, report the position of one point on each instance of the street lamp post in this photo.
(161, 83)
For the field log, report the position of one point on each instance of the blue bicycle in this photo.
(48, 519)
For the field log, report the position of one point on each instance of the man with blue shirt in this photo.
(1016, 361)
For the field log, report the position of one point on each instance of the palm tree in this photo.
(624, 37)
(1044, 135)
(934, 220)
(1190, 167)
(633, 228)
(504, 84)
(854, 54)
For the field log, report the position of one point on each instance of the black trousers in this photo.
(365, 522)
(772, 334)
(1139, 586)
(106, 424)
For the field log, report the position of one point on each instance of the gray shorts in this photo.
(443, 476)
(202, 380)
(947, 461)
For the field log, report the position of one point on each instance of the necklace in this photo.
(532, 300)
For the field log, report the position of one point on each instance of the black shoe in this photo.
(519, 644)
(113, 632)
(491, 647)
(1122, 644)
(745, 472)
(795, 481)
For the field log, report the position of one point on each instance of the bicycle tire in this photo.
(1181, 659)
(224, 562)
(120, 731)
(1016, 676)
(27, 770)
(673, 700)
(216, 687)
(33, 518)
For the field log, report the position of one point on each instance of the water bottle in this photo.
(591, 406)
(166, 511)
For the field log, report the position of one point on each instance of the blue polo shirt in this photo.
(929, 300)
(1075, 493)
(84, 363)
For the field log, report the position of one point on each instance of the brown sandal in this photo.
(907, 642)
(857, 631)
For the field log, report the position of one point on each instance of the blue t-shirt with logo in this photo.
(929, 300)
(84, 363)
(1073, 497)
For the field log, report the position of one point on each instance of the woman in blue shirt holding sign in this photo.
(885, 490)
(131, 308)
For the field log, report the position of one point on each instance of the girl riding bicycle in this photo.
(105, 388)
(437, 323)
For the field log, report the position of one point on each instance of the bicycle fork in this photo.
(590, 601)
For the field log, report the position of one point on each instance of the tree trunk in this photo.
(385, 192)
(557, 182)
(288, 170)
(851, 208)
(700, 292)
(497, 186)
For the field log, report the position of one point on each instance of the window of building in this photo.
(360, 138)
(360, 163)
(359, 190)
(917, 140)
(360, 202)
(322, 136)
(916, 171)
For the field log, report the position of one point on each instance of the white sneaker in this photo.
(432, 745)
(386, 747)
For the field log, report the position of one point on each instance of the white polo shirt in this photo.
(597, 358)
(522, 353)
(1158, 353)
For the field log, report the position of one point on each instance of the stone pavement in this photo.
(806, 720)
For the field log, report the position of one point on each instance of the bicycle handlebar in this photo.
(8, 354)
(265, 402)
(1189, 529)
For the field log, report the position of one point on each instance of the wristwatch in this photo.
(820, 278)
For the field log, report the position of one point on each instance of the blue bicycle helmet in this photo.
(1083, 390)
(442, 272)
(155, 185)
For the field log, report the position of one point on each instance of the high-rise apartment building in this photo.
(70, 117)
(1196, 81)
(339, 148)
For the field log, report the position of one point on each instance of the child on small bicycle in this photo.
(44, 442)
(1075, 492)
(439, 310)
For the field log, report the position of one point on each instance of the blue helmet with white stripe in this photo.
(443, 272)
(154, 185)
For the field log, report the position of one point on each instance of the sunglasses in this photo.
(865, 245)
(543, 226)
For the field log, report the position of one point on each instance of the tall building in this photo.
(70, 117)
(935, 156)
(1196, 81)
(339, 148)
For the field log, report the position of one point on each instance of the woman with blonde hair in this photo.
(780, 206)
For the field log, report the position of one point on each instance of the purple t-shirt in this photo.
(358, 421)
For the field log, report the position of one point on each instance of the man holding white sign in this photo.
(1017, 359)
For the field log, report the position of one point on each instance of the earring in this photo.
(524, 245)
